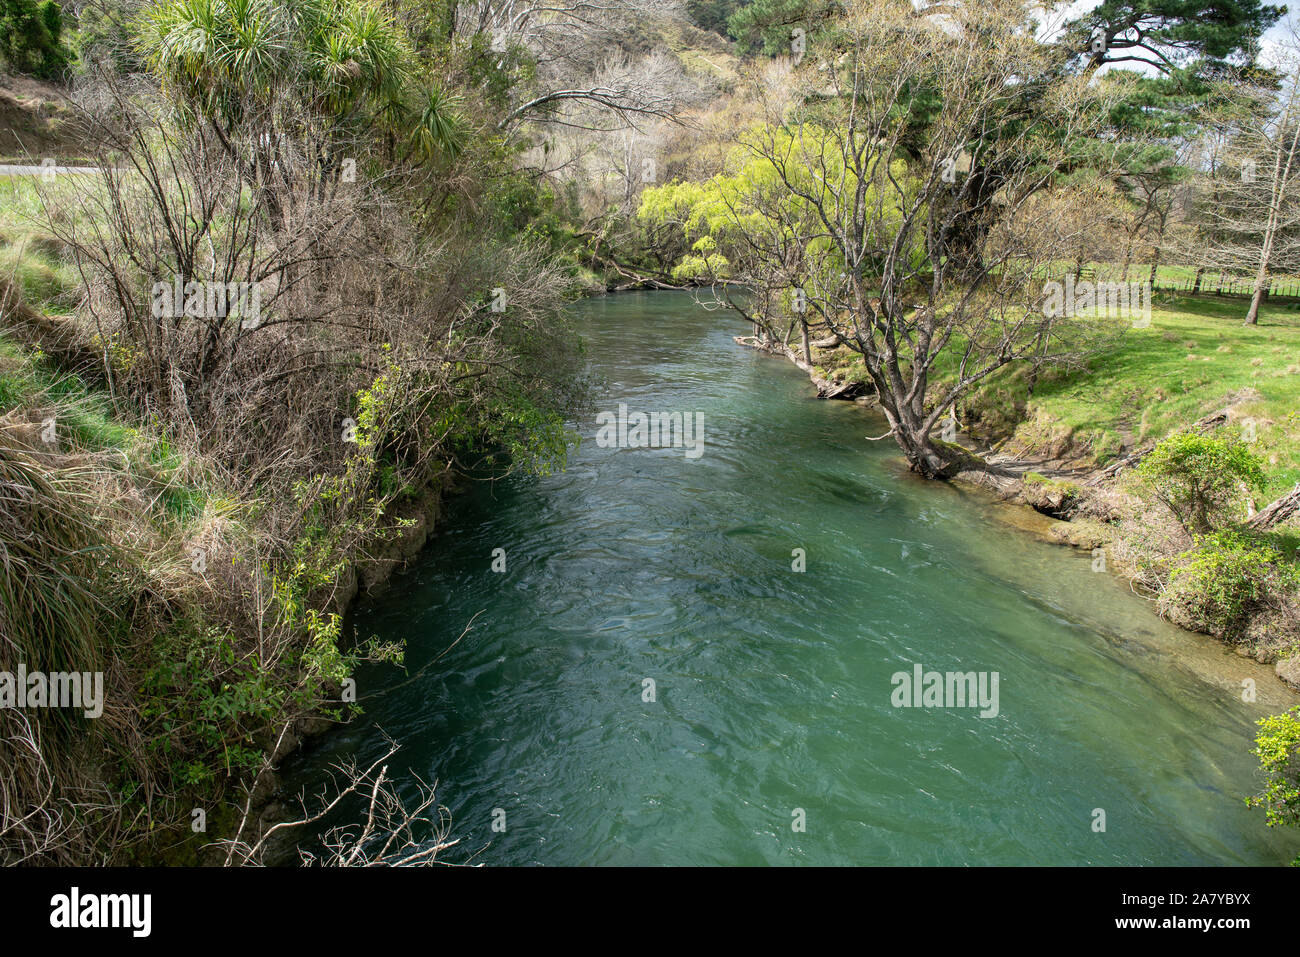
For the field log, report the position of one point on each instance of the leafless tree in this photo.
(1250, 207)
(1154, 193)
(575, 45)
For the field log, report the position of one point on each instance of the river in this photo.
(770, 733)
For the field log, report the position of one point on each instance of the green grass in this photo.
(1195, 358)
(86, 424)
(29, 257)
(35, 264)
(46, 283)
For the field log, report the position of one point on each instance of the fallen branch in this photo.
(1278, 512)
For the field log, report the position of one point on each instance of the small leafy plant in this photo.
(1200, 478)
(1277, 745)
(1227, 576)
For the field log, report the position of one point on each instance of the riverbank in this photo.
(1068, 448)
(198, 702)
(194, 529)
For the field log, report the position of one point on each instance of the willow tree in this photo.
(845, 212)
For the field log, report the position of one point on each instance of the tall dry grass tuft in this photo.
(51, 555)
(55, 612)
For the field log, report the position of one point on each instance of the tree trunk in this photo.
(1278, 512)
(807, 349)
(1196, 285)
(1261, 274)
(1155, 253)
(919, 449)
(1261, 283)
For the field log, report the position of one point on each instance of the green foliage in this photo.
(712, 14)
(532, 437)
(1277, 745)
(1184, 46)
(749, 198)
(510, 424)
(345, 60)
(496, 73)
(204, 703)
(1173, 34)
(769, 24)
(1226, 577)
(1200, 477)
(519, 202)
(438, 130)
(30, 37)
(702, 260)
(218, 52)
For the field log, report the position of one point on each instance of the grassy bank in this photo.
(1195, 358)
(212, 606)
(129, 554)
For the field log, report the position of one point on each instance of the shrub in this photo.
(30, 37)
(1278, 748)
(106, 33)
(1200, 478)
(1227, 575)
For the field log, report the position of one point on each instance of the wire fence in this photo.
(1284, 288)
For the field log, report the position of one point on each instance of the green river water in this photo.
(772, 688)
